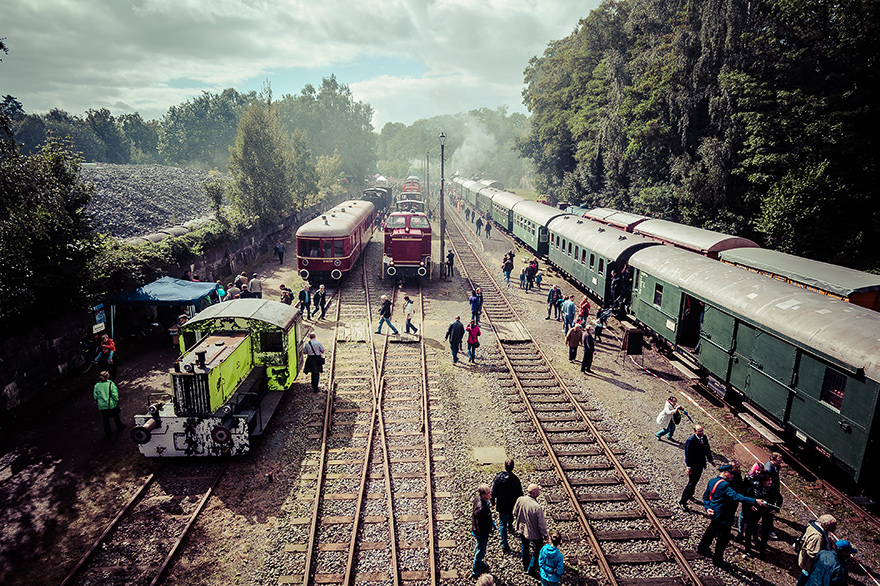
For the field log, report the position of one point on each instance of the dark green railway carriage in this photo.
(502, 209)
(530, 220)
(699, 240)
(589, 252)
(469, 191)
(809, 362)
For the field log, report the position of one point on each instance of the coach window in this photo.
(314, 248)
(569, 249)
(592, 261)
(271, 341)
(601, 266)
(833, 388)
(658, 294)
(577, 253)
(583, 257)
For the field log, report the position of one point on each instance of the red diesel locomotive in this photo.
(407, 251)
(328, 246)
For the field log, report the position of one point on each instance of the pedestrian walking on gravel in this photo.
(106, 394)
(482, 527)
(280, 249)
(720, 501)
(479, 225)
(506, 488)
(589, 351)
(574, 337)
(569, 310)
(551, 563)
(409, 310)
(488, 228)
(473, 341)
(385, 316)
(320, 300)
(507, 268)
(666, 418)
(454, 334)
(554, 294)
(816, 539)
(696, 453)
(532, 527)
(305, 300)
(314, 351)
(450, 261)
(476, 303)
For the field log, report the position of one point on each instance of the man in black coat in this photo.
(720, 501)
(506, 488)
(454, 334)
(481, 528)
(696, 454)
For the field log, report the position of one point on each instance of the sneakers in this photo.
(773, 535)
(684, 507)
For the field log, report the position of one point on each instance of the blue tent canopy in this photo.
(167, 291)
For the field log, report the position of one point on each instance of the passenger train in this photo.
(806, 360)
(328, 246)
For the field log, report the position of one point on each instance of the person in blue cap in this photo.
(829, 569)
(720, 501)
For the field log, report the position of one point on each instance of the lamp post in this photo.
(442, 207)
(427, 196)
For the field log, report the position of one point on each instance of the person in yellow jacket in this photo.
(106, 393)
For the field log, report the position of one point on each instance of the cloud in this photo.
(151, 54)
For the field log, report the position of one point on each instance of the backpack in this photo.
(799, 542)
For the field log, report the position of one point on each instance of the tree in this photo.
(11, 107)
(46, 235)
(104, 125)
(142, 138)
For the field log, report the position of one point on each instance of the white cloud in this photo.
(151, 54)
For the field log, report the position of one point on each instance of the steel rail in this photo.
(690, 574)
(113, 524)
(426, 425)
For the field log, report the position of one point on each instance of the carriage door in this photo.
(716, 341)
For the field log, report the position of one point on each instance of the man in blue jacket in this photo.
(720, 502)
(696, 454)
(830, 566)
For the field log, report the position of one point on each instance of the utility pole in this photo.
(442, 200)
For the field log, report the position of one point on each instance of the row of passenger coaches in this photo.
(801, 354)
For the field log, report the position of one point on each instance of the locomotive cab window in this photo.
(339, 248)
(419, 222)
(833, 388)
(272, 341)
(658, 294)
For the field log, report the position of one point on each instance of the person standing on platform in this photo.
(488, 228)
(479, 224)
(305, 300)
(552, 296)
(569, 310)
(450, 261)
(256, 287)
(574, 337)
(589, 351)
(696, 453)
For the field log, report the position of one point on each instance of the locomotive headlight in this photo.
(337, 262)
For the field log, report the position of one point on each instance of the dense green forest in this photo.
(757, 118)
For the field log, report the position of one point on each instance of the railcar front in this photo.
(808, 363)
(237, 360)
(328, 246)
(407, 252)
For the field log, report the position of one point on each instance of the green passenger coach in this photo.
(808, 362)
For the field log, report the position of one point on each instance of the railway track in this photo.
(144, 537)
(587, 485)
(375, 511)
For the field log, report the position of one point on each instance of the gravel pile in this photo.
(136, 200)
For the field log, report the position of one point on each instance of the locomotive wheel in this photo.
(221, 434)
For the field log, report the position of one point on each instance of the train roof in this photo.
(337, 221)
(492, 184)
(695, 239)
(267, 311)
(846, 334)
(609, 242)
(826, 277)
(625, 220)
(506, 199)
(538, 212)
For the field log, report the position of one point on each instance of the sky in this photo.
(408, 59)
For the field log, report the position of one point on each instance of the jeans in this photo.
(505, 520)
(410, 326)
(472, 352)
(569, 323)
(507, 277)
(454, 347)
(479, 553)
(530, 550)
(670, 429)
(385, 320)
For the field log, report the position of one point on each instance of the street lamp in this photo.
(427, 196)
(442, 207)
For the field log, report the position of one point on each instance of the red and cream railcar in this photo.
(407, 250)
(328, 246)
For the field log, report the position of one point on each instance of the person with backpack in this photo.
(106, 394)
(506, 489)
(815, 539)
(666, 418)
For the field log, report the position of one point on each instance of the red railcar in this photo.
(407, 250)
(328, 246)
(412, 188)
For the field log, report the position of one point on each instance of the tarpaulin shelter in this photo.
(166, 291)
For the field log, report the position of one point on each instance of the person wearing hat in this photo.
(720, 501)
(450, 260)
(385, 316)
(829, 568)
